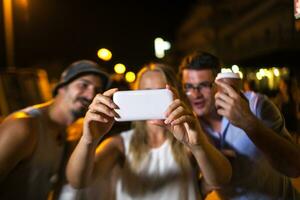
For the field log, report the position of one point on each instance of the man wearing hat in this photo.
(32, 140)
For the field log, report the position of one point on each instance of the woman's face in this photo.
(152, 80)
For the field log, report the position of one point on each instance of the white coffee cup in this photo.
(231, 78)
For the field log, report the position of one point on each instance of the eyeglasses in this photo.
(200, 86)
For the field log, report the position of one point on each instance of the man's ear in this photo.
(61, 90)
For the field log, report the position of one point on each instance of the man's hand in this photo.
(100, 117)
(233, 106)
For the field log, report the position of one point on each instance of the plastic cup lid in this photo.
(228, 75)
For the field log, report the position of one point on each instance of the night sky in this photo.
(60, 31)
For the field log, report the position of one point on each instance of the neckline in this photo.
(154, 149)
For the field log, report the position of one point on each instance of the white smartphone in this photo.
(135, 105)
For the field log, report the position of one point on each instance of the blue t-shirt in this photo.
(253, 176)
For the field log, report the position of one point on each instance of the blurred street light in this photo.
(235, 68)
(259, 76)
(104, 54)
(262, 72)
(160, 46)
(130, 77)
(120, 68)
(276, 72)
(241, 74)
(9, 32)
(23, 3)
(224, 70)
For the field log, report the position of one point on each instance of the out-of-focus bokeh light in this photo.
(224, 70)
(160, 46)
(44, 85)
(259, 76)
(22, 3)
(235, 68)
(120, 68)
(241, 74)
(262, 72)
(276, 72)
(269, 74)
(104, 54)
(130, 77)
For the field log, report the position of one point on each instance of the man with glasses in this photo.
(249, 131)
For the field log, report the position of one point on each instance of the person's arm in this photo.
(88, 162)
(214, 166)
(17, 141)
(279, 150)
(85, 164)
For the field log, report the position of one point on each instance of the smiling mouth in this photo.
(84, 103)
(199, 104)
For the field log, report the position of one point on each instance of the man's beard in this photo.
(78, 113)
(81, 111)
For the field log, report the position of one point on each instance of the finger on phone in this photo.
(110, 92)
(178, 112)
(175, 104)
(106, 100)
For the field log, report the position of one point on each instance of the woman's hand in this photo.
(183, 124)
(99, 117)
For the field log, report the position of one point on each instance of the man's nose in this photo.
(195, 93)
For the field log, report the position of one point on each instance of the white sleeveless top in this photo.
(159, 176)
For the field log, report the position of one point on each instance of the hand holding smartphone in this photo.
(135, 105)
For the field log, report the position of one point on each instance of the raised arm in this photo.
(276, 146)
(85, 163)
(185, 127)
(17, 141)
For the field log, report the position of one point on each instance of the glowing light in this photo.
(262, 72)
(224, 70)
(44, 85)
(120, 68)
(9, 31)
(241, 74)
(23, 3)
(269, 74)
(259, 76)
(130, 77)
(104, 54)
(235, 68)
(160, 46)
(276, 72)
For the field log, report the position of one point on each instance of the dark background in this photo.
(51, 34)
(57, 32)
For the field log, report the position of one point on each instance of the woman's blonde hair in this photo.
(139, 143)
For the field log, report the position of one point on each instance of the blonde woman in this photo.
(156, 159)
